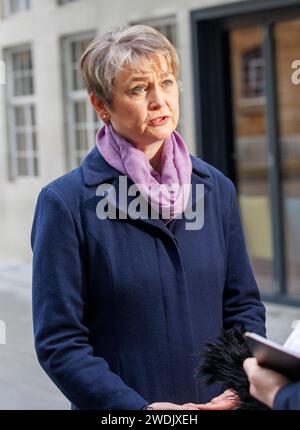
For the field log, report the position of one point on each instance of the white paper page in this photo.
(293, 341)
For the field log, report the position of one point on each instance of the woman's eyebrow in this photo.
(138, 78)
(144, 77)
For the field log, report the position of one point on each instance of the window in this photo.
(21, 113)
(11, 7)
(82, 121)
(166, 25)
(253, 82)
(251, 150)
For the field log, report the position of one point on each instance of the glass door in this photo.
(287, 51)
(251, 149)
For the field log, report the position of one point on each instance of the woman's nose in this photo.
(156, 99)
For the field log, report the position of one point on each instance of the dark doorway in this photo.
(248, 125)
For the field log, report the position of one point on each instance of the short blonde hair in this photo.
(119, 47)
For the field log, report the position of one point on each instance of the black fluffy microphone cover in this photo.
(223, 363)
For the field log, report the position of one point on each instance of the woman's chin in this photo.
(162, 134)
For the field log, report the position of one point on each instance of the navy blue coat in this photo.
(122, 308)
(288, 397)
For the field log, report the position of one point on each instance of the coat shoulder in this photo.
(69, 188)
(67, 182)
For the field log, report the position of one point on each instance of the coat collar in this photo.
(96, 170)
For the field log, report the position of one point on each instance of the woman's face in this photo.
(145, 103)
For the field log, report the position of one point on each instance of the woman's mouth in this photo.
(161, 120)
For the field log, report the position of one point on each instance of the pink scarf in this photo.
(168, 191)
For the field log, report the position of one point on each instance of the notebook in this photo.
(284, 359)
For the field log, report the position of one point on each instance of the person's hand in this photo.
(172, 406)
(264, 383)
(228, 400)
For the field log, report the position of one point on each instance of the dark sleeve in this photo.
(241, 298)
(288, 397)
(59, 311)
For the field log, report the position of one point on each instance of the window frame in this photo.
(249, 65)
(26, 101)
(24, 6)
(73, 96)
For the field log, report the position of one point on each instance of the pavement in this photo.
(23, 383)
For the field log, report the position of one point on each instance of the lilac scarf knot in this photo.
(168, 190)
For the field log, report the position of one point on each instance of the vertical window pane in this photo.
(287, 42)
(251, 154)
(169, 33)
(76, 83)
(77, 47)
(35, 166)
(34, 144)
(29, 86)
(22, 136)
(80, 112)
(80, 119)
(81, 140)
(32, 115)
(252, 73)
(22, 165)
(21, 141)
(22, 73)
(17, 86)
(20, 116)
(73, 52)
(15, 6)
(15, 62)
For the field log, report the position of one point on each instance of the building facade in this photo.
(228, 110)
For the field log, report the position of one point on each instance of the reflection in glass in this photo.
(287, 42)
(251, 152)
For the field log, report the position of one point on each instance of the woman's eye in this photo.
(167, 82)
(138, 90)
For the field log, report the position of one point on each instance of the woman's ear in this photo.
(99, 107)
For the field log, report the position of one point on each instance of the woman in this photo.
(124, 304)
